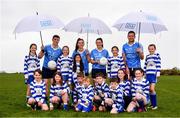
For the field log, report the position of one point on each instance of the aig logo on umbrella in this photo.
(46, 23)
(87, 27)
(130, 25)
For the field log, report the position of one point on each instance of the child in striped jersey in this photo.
(38, 92)
(125, 85)
(59, 92)
(77, 90)
(31, 63)
(140, 92)
(116, 101)
(85, 103)
(152, 70)
(78, 67)
(115, 63)
(101, 92)
(64, 65)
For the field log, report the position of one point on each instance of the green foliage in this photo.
(173, 71)
(13, 90)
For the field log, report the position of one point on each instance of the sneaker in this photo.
(28, 105)
(34, 107)
(154, 108)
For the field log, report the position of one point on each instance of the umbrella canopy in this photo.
(87, 25)
(140, 22)
(37, 23)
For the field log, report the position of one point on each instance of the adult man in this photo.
(50, 52)
(132, 53)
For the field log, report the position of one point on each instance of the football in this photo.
(103, 61)
(52, 65)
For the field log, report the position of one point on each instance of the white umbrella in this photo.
(87, 25)
(140, 22)
(37, 23)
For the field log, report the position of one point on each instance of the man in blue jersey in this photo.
(50, 52)
(132, 53)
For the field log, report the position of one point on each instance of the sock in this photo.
(154, 100)
(65, 106)
(141, 104)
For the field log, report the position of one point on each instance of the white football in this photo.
(103, 61)
(52, 65)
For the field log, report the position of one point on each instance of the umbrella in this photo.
(140, 22)
(37, 23)
(87, 25)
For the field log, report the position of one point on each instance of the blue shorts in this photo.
(30, 79)
(84, 108)
(151, 78)
(47, 73)
(96, 71)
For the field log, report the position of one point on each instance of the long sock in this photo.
(154, 100)
(151, 99)
(65, 106)
(141, 104)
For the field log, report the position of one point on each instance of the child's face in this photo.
(151, 49)
(100, 80)
(115, 51)
(114, 85)
(57, 78)
(65, 51)
(37, 76)
(86, 83)
(121, 74)
(78, 58)
(33, 49)
(80, 79)
(138, 74)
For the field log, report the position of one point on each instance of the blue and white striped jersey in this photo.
(56, 90)
(64, 65)
(87, 94)
(38, 90)
(117, 96)
(31, 63)
(152, 64)
(140, 86)
(102, 89)
(126, 87)
(114, 64)
(77, 92)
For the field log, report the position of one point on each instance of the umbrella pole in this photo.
(87, 40)
(41, 38)
(139, 31)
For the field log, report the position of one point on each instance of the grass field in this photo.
(12, 100)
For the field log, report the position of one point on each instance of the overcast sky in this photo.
(12, 51)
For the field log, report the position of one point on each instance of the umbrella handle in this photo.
(41, 38)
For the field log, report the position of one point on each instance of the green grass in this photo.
(12, 100)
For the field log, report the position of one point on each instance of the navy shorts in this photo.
(96, 71)
(47, 73)
(151, 78)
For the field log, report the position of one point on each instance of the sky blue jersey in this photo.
(51, 54)
(97, 55)
(132, 57)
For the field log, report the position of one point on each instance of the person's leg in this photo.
(65, 101)
(131, 107)
(153, 96)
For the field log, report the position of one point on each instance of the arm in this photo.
(25, 68)
(88, 56)
(158, 65)
(109, 68)
(41, 53)
(43, 93)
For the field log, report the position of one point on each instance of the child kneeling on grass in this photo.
(85, 103)
(140, 93)
(59, 92)
(101, 92)
(38, 92)
(115, 101)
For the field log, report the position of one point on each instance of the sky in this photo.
(13, 49)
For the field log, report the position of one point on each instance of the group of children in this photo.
(70, 87)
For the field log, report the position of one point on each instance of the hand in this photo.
(25, 80)
(139, 50)
(39, 103)
(158, 74)
(42, 48)
(62, 92)
(134, 99)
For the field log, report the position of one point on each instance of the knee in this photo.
(45, 107)
(31, 101)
